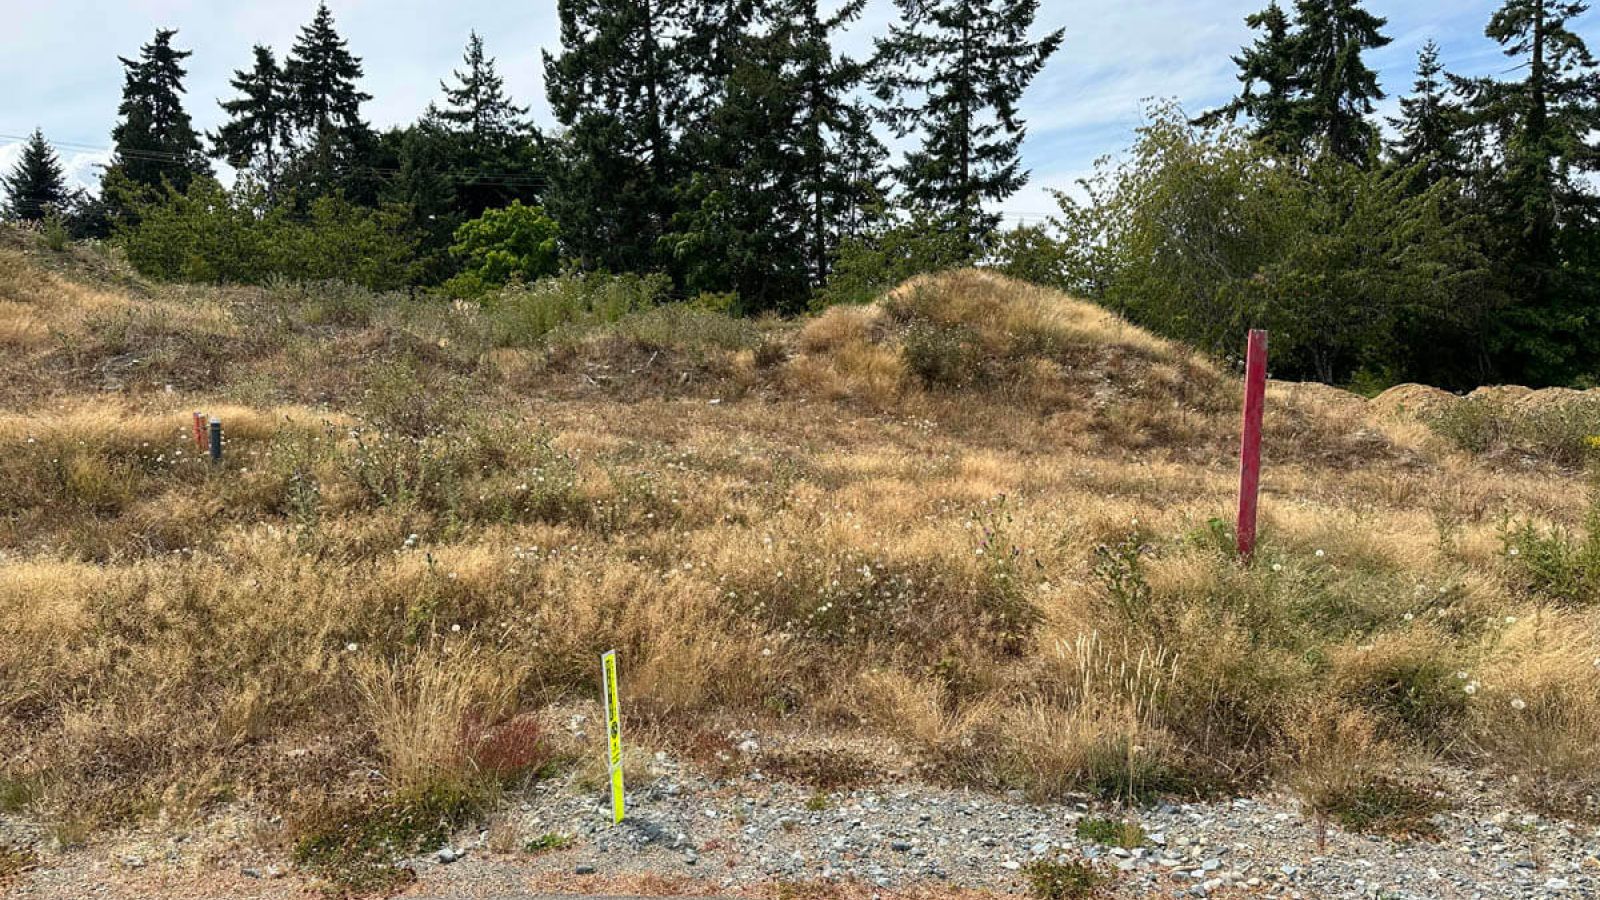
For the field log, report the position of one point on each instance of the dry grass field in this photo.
(978, 520)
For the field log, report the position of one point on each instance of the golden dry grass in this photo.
(1015, 573)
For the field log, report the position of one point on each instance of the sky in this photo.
(58, 62)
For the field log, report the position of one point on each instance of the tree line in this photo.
(733, 150)
(727, 145)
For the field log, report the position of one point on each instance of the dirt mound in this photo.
(1412, 401)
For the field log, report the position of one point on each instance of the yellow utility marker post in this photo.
(608, 668)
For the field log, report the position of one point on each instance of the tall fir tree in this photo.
(840, 158)
(955, 72)
(154, 142)
(619, 85)
(784, 164)
(333, 141)
(477, 105)
(1537, 192)
(1267, 70)
(1428, 132)
(253, 139)
(1306, 84)
(37, 184)
(1338, 92)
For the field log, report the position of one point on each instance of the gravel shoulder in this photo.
(748, 836)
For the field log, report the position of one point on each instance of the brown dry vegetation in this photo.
(978, 519)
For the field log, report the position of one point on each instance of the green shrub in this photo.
(942, 355)
(1111, 832)
(524, 316)
(1553, 564)
(358, 849)
(1386, 806)
(864, 267)
(1051, 880)
(211, 234)
(547, 842)
(1559, 432)
(516, 243)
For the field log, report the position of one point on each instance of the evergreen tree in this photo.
(620, 87)
(325, 107)
(1336, 89)
(1267, 69)
(784, 164)
(1428, 132)
(478, 105)
(840, 159)
(258, 121)
(1536, 192)
(37, 184)
(155, 142)
(955, 71)
(487, 152)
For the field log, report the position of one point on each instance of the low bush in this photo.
(358, 849)
(1053, 880)
(523, 315)
(1488, 424)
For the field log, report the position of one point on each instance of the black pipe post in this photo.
(216, 439)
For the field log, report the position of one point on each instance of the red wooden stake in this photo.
(199, 432)
(1255, 395)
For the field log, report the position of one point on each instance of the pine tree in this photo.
(955, 71)
(1428, 131)
(333, 140)
(37, 184)
(1267, 70)
(478, 105)
(155, 142)
(1536, 192)
(840, 160)
(620, 87)
(1337, 90)
(258, 121)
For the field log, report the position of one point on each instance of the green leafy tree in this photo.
(202, 234)
(517, 243)
(1536, 191)
(253, 139)
(620, 87)
(211, 234)
(1202, 233)
(155, 143)
(1337, 89)
(36, 185)
(1033, 254)
(955, 71)
(1267, 69)
(332, 140)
